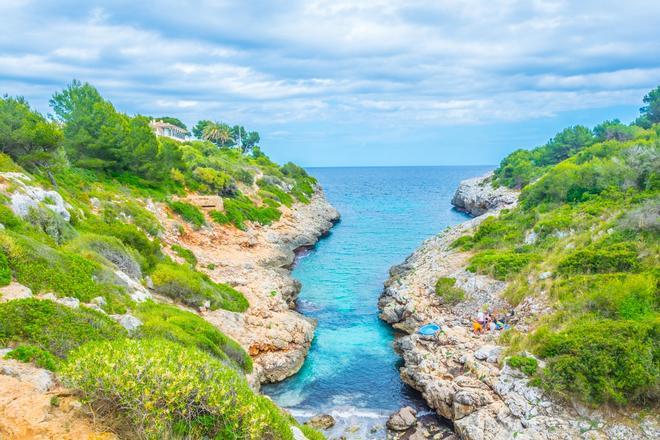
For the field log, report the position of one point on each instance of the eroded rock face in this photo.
(477, 196)
(459, 373)
(258, 263)
(14, 291)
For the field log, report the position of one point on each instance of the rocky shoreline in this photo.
(462, 376)
(258, 262)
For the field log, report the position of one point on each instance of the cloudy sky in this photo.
(346, 82)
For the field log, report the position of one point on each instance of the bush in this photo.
(42, 268)
(188, 212)
(242, 209)
(51, 223)
(500, 265)
(194, 288)
(527, 365)
(274, 192)
(53, 327)
(603, 360)
(219, 217)
(616, 258)
(132, 237)
(110, 250)
(30, 353)
(445, 289)
(143, 382)
(8, 218)
(186, 254)
(188, 329)
(5, 271)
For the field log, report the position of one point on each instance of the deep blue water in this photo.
(351, 369)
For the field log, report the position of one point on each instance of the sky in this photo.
(345, 82)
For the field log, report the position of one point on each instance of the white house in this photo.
(171, 131)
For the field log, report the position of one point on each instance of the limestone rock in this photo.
(14, 291)
(477, 196)
(129, 322)
(42, 380)
(26, 197)
(321, 421)
(68, 301)
(403, 419)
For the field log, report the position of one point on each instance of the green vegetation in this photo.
(500, 265)
(445, 288)
(188, 212)
(588, 216)
(242, 209)
(53, 327)
(195, 288)
(186, 254)
(188, 329)
(30, 353)
(5, 271)
(527, 365)
(141, 388)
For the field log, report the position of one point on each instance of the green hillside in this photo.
(108, 168)
(585, 240)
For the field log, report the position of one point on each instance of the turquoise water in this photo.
(351, 370)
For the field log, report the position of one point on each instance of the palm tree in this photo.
(218, 133)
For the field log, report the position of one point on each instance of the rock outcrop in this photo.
(33, 406)
(258, 263)
(461, 375)
(477, 196)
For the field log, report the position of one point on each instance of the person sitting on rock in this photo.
(477, 327)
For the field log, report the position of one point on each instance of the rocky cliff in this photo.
(463, 376)
(258, 262)
(477, 196)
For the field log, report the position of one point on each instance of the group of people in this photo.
(488, 321)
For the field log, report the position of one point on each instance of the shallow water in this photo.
(351, 371)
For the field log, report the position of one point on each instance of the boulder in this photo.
(68, 301)
(14, 291)
(129, 322)
(403, 419)
(321, 421)
(488, 353)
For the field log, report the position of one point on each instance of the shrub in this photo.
(500, 265)
(111, 250)
(132, 237)
(5, 271)
(242, 209)
(30, 353)
(445, 289)
(53, 327)
(188, 329)
(8, 218)
(143, 382)
(615, 258)
(186, 254)
(527, 365)
(41, 268)
(194, 288)
(603, 360)
(188, 212)
(51, 223)
(276, 193)
(219, 217)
